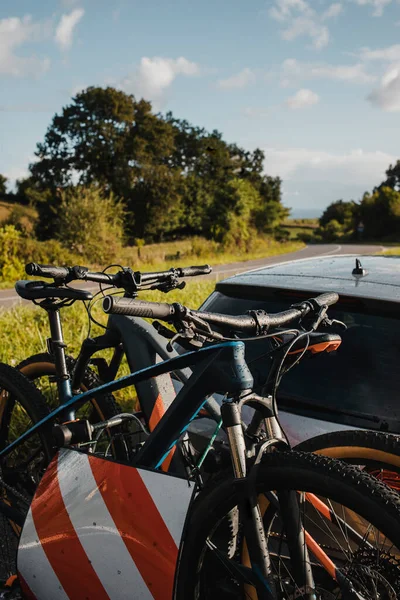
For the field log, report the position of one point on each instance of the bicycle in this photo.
(262, 530)
(143, 345)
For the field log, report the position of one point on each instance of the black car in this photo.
(359, 384)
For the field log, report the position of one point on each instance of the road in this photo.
(9, 298)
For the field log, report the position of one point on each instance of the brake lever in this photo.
(332, 322)
(168, 286)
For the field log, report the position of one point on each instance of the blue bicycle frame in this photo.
(219, 368)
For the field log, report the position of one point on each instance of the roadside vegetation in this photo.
(113, 182)
(375, 218)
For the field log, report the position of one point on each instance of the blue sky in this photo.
(315, 84)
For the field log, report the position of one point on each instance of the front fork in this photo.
(249, 508)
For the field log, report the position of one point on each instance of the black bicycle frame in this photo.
(143, 346)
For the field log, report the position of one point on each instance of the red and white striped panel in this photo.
(99, 530)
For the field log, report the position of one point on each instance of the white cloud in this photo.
(387, 95)
(333, 11)
(240, 80)
(294, 71)
(155, 75)
(378, 6)
(14, 32)
(354, 167)
(302, 99)
(303, 26)
(65, 29)
(390, 53)
(299, 19)
(17, 172)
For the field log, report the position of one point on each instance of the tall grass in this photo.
(392, 252)
(24, 329)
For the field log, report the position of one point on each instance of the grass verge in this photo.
(25, 329)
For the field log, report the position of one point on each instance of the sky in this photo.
(314, 83)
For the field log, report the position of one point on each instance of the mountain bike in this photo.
(143, 345)
(275, 525)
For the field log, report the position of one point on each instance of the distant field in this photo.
(298, 226)
(303, 223)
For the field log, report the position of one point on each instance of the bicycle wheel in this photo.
(41, 369)
(358, 529)
(21, 405)
(376, 452)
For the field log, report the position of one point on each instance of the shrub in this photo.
(11, 266)
(90, 224)
(23, 219)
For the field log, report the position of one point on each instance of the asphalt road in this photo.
(9, 298)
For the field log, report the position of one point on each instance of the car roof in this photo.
(326, 273)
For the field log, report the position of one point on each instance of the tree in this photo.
(380, 213)
(88, 141)
(103, 137)
(174, 178)
(392, 177)
(344, 213)
(3, 185)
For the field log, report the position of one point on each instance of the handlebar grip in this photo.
(193, 271)
(49, 271)
(327, 299)
(137, 308)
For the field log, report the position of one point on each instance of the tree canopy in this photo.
(173, 178)
(3, 185)
(378, 211)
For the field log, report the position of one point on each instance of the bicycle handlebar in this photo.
(193, 271)
(76, 273)
(326, 299)
(138, 308)
(47, 271)
(250, 322)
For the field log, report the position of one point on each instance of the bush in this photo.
(23, 219)
(11, 266)
(90, 224)
(308, 237)
(332, 231)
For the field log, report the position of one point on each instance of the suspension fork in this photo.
(288, 501)
(290, 509)
(249, 509)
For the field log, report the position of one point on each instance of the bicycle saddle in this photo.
(36, 290)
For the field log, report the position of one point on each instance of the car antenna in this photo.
(359, 271)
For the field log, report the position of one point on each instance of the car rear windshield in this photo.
(358, 385)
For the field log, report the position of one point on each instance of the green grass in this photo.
(25, 328)
(303, 223)
(391, 252)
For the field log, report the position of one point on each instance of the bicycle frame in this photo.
(213, 360)
(215, 369)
